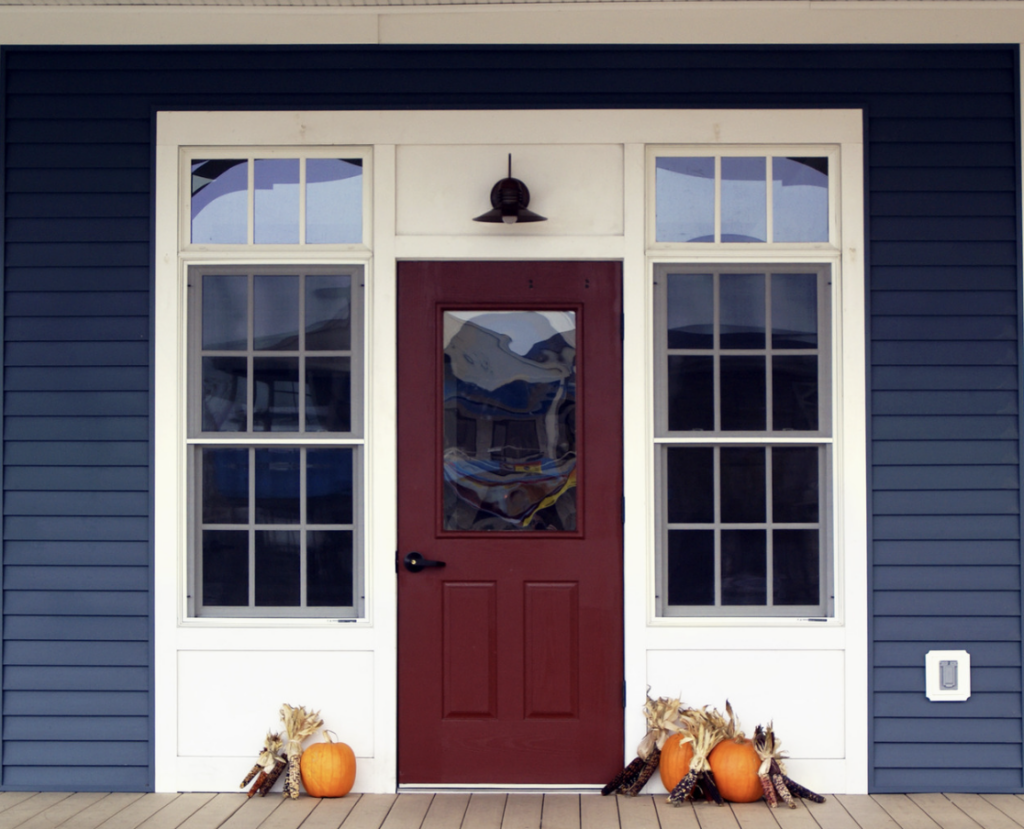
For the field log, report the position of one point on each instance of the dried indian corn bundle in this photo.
(299, 724)
(772, 772)
(705, 730)
(662, 720)
(268, 768)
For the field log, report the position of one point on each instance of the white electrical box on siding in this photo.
(947, 676)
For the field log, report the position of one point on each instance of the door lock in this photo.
(414, 562)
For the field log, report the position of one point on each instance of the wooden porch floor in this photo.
(50, 810)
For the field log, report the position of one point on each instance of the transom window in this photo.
(742, 196)
(276, 198)
(275, 440)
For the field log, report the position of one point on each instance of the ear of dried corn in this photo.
(772, 771)
(266, 765)
(299, 724)
(705, 729)
(663, 720)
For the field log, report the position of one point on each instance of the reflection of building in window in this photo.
(510, 407)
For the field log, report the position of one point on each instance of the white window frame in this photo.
(197, 258)
(402, 138)
(846, 383)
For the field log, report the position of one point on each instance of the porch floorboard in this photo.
(66, 810)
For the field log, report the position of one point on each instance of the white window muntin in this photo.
(768, 151)
(188, 155)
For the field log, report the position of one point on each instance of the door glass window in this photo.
(509, 402)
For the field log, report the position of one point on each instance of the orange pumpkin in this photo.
(735, 764)
(674, 762)
(328, 769)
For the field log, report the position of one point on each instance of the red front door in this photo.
(509, 472)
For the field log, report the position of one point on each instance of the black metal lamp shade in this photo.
(509, 198)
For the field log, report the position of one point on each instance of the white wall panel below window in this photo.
(802, 692)
(228, 700)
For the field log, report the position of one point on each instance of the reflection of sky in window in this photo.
(334, 201)
(741, 314)
(219, 201)
(794, 310)
(276, 312)
(684, 191)
(800, 199)
(276, 208)
(691, 311)
(328, 305)
(744, 200)
(524, 328)
(225, 307)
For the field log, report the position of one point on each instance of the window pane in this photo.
(509, 378)
(328, 394)
(691, 485)
(795, 569)
(278, 568)
(334, 201)
(743, 485)
(743, 394)
(275, 405)
(691, 394)
(795, 393)
(224, 390)
(741, 299)
(794, 310)
(220, 204)
(795, 484)
(225, 313)
(691, 310)
(684, 192)
(329, 486)
(800, 199)
(276, 208)
(225, 486)
(744, 200)
(276, 313)
(691, 567)
(277, 486)
(744, 567)
(226, 568)
(329, 568)
(328, 313)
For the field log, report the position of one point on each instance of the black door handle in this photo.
(414, 562)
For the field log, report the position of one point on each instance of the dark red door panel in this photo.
(510, 472)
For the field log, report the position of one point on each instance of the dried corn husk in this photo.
(705, 729)
(663, 720)
(772, 771)
(298, 724)
(268, 761)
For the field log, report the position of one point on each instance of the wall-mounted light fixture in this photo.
(509, 198)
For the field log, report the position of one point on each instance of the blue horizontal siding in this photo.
(952, 731)
(942, 233)
(134, 729)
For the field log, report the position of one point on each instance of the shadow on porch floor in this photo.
(63, 810)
